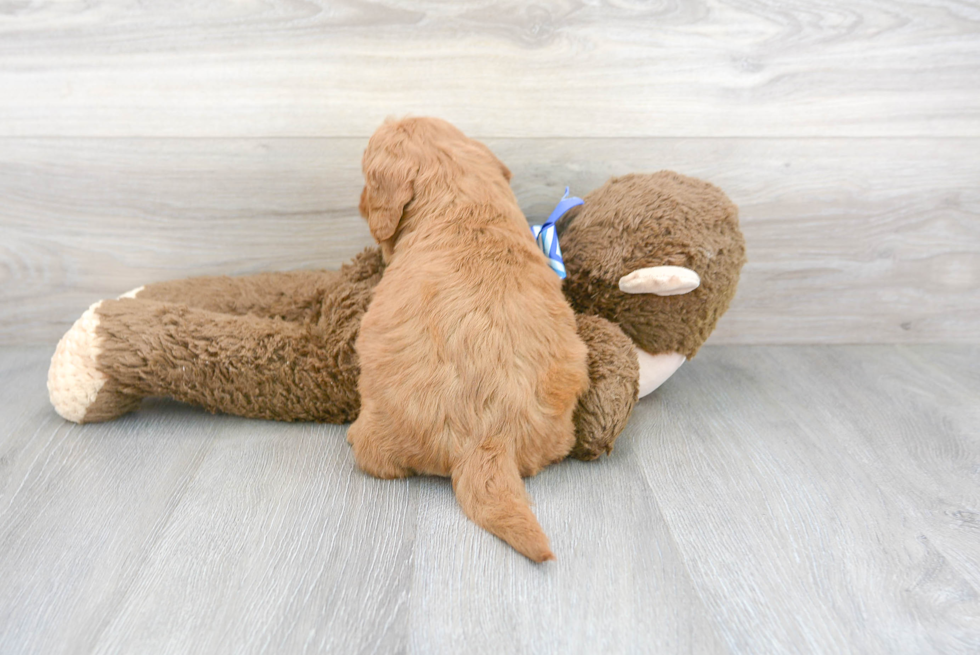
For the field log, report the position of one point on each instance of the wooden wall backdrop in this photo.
(147, 141)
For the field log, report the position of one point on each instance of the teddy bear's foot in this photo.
(78, 389)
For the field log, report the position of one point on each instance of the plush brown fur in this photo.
(237, 345)
(147, 348)
(321, 310)
(470, 362)
(613, 375)
(663, 219)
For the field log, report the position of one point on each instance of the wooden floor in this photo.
(798, 499)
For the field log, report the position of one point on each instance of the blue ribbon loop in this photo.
(547, 235)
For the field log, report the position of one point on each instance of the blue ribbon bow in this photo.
(547, 235)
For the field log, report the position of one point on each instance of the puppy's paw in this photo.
(369, 456)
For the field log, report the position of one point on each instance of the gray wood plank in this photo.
(720, 68)
(280, 545)
(814, 504)
(767, 499)
(79, 510)
(952, 366)
(619, 584)
(849, 240)
(918, 433)
(176, 531)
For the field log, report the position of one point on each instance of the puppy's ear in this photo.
(389, 185)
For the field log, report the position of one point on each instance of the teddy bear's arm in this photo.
(604, 409)
(120, 351)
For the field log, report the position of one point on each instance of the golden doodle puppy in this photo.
(470, 361)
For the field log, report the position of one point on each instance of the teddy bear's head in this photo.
(616, 244)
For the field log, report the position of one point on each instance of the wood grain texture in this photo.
(498, 68)
(835, 455)
(766, 499)
(849, 240)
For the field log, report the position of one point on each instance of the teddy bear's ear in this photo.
(389, 185)
(660, 280)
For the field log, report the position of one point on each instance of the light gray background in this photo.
(808, 497)
(149, 141)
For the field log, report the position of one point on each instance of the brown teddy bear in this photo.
(652, 263)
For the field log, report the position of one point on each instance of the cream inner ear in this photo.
(660, 280)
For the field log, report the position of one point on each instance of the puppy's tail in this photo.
(490, 490)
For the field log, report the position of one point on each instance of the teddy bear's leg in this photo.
(300, 296)
(79, 390)
(292, 296)
(604, 409)
(245, 365)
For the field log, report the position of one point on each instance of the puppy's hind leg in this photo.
(367, 438)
